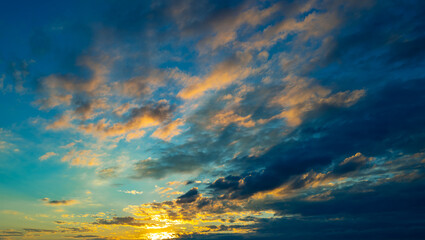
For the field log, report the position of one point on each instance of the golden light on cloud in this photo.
(161, 235)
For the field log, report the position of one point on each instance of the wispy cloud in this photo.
(47, 156)
(133, 192)
(60, 202)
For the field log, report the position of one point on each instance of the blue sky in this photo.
(212, 119)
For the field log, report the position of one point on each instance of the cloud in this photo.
(73, 84)
(86, 236)
(60, 202)
(133, 192)
(19, 72)
(190, 196)
(121, 110)
(37, 230)
(129, 221)
(160, 168)
(301, 96)
(82, 158)
(47, 155)
(313, 25)
(162, 190)
(134, 135)
(350, 164)
(10, 212)
(106, 173)
(169, 131)
(140, 86)
(69, 145)
(223, 74)
(224, 29)
(143, 117)
(225, 118)
(10, 233)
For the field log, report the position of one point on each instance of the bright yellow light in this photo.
(160, 235)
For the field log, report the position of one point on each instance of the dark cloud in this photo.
(59, 202)
(189, 197)
(71, 229)
(86, 236)
(37, 230)
(10, 233)
(130, 221)
(373, 127)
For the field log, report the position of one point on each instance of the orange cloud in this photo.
(225, 118)
(302, 95)
(47, 155)
(224, 74)
(59, 202)
(82, 158)
(169, 131)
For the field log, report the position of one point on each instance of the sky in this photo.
(212, 119)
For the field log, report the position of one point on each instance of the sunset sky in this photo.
(207, 119)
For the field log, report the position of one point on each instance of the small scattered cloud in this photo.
(106, 173)
(47, 156)
(69, 145)
(60, 202)
(133, 192)
(82, 158)
(10, 212)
